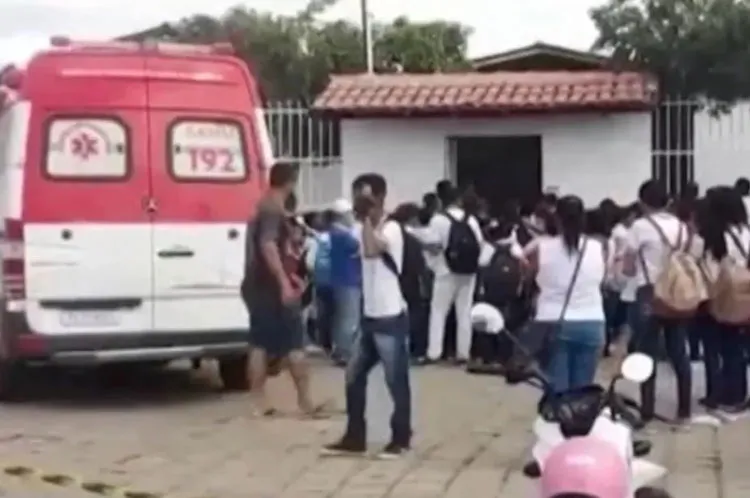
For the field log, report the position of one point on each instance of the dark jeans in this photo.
(385, 340)
(725, 363)
(419, 320)
(695, 338)
(647, 333)
(615, 312)
(325, 308)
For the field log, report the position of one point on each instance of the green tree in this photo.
(696, 48)
(295, 55)
(423, 47)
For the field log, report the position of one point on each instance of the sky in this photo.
(25, 25)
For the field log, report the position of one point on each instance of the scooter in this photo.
(592, 411)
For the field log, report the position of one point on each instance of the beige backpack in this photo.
(730, 294)
(680, 288)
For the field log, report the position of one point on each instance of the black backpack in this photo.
(502, 279)
(411, 279)
(462, 251)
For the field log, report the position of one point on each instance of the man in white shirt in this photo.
(384, 334)
(450, 288)
(644, 260)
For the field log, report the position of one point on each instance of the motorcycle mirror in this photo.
(487, 318)
(637, 367)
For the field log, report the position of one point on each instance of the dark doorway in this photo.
(500, 168)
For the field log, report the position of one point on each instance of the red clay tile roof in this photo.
(485, 93)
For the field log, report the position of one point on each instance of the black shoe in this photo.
(641, 448)
(532, 470)
(393, 450)
(345, 446)
(733, 409)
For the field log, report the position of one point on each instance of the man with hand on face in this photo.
(384, 335)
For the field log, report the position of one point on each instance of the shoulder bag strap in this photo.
(738, 245)
(663, 236)
(573, 279)
(388, 260)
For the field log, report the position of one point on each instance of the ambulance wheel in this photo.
(12, 376)
(233, 373)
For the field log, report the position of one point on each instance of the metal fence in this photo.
(312, 141)
(689, 144)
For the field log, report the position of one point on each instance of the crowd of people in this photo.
(572, 283)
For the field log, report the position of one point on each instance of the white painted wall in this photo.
(722, 146)
(594, 155)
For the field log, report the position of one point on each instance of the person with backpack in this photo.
(655, 250)
(384, 334)
(727, 242)
(458, 237)
(500, 284)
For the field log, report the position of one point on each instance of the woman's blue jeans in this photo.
(575, 349)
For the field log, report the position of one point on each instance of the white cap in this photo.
(487, 318)
(342, 206)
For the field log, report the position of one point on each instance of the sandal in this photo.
(317, 412)
(269, 412)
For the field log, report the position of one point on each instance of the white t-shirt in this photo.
(556, 268)
(644, 238)
(742, 234)
(381, 292)
(439, 231)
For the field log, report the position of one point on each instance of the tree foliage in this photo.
(294, 55)
(697, 48)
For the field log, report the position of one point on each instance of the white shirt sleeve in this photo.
(516, 249)
(486, 253)
(532, 245)
(633, 240)
(474, 224)
(394, 240)
(438, 229)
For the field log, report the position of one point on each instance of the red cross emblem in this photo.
(84, 146)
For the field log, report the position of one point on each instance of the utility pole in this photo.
(367, 37)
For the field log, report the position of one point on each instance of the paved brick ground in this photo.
(176, 434)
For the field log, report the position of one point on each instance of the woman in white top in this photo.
(569, 269)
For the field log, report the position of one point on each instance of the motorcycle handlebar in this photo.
(620, 408)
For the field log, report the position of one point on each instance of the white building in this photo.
(509, 133)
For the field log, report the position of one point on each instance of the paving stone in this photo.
(472, 436)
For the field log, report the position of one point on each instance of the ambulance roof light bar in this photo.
(148, 45)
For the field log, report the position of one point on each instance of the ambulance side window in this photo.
(5, 135)
(14, 131)
(206, 150)
(87, 148)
